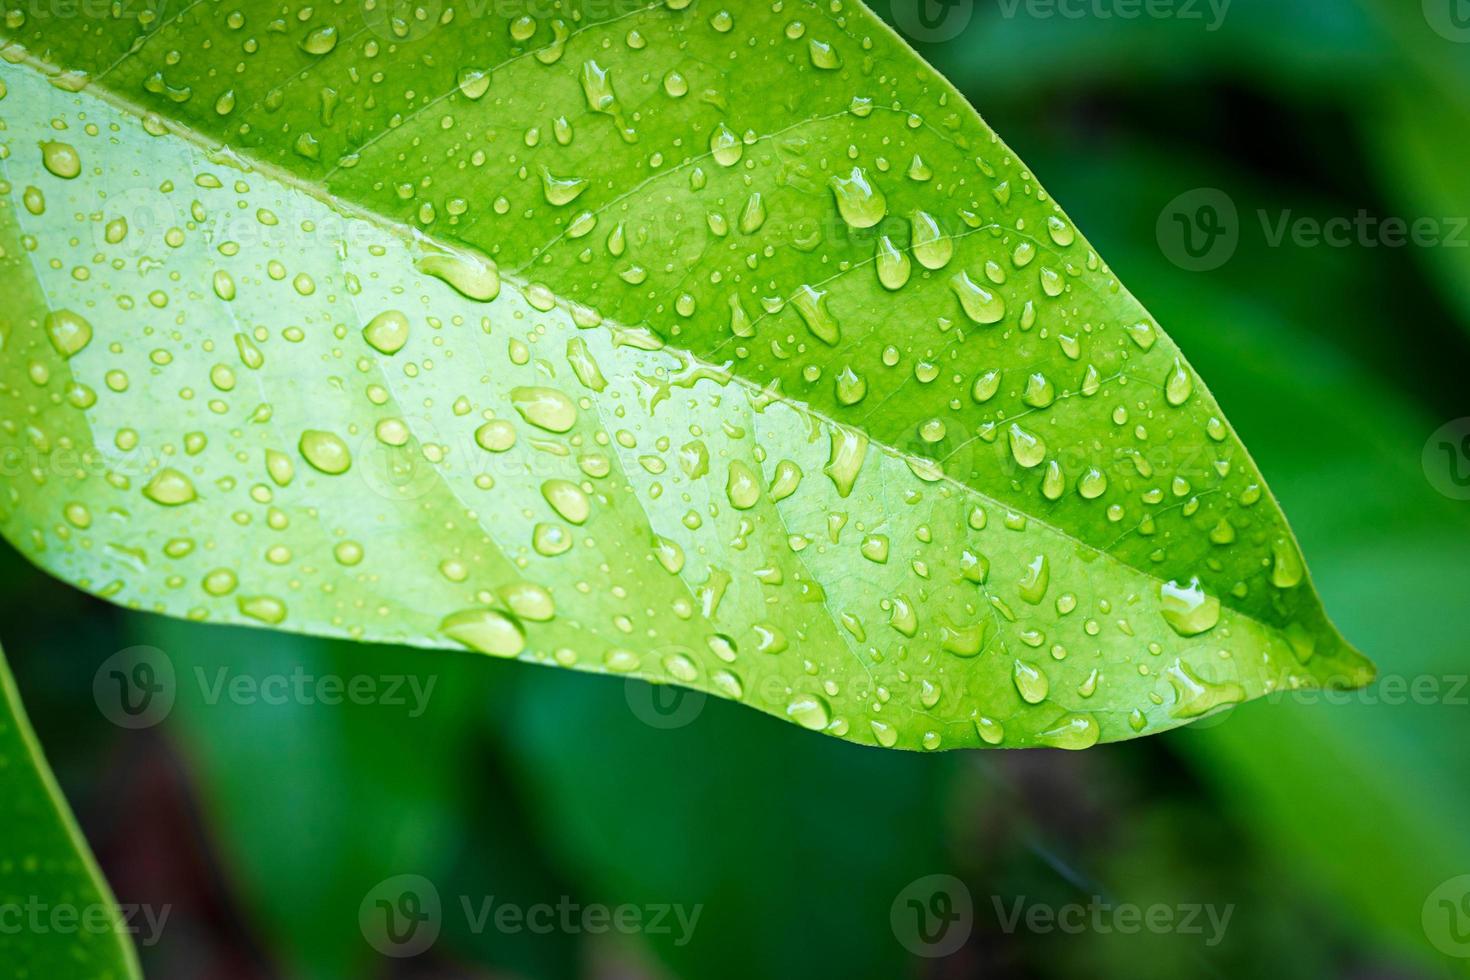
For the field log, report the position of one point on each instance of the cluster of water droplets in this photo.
(824, 406)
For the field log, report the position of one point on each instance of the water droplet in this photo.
(220, 582)
(669, 554)
(859, 199)
(1035, 579)
(741, 486)
(1060, 231)
(980, 304)
(851, 387)
(1073, 732)
(69, 332)
(893, 265)
(568, 500)
(811, 304)
(1194, 696)
(1030, 682)
(725, 146)
(810, 711)
(1286, 564)
(546, 408)
(849, 449)
(474, 82)
(932, 247)
(527, 600)
(472, 276)
(1143, 333)
(267, 609)
(1187, 609)
(986, 385)
(61, 159)
(496, 436)
(1178, 386)
(875, 548)
(320, 41)
(885, 733)
(561, 190)
(1039, 391)
(1027, 447)
(170, 488)
(325, 451)
(485, 630)
(991, 732)
(753, 215)
(387, 332)
(823, 56)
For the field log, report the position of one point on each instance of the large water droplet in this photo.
(931, 246)
(893, 265)
(1194, 696)
(545, 407)
(811, 304)
(1027, 447)
(485, 630)
(69, 332)
(387, 332)
(568, 500)
(61, 159)
(810, 711)
(980, 304)
(1073, 732)
(725, 146)
(1187, 609)
(170, 488)
(859, 200)
(325, 451)
(1030, 682)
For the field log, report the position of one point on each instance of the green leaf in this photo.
(59, 917)
(727, 351)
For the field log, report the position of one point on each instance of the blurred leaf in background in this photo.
(57, 916)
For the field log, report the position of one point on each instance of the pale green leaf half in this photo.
(721, 348)
(57, 915)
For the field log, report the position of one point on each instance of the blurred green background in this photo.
(1326, 830)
